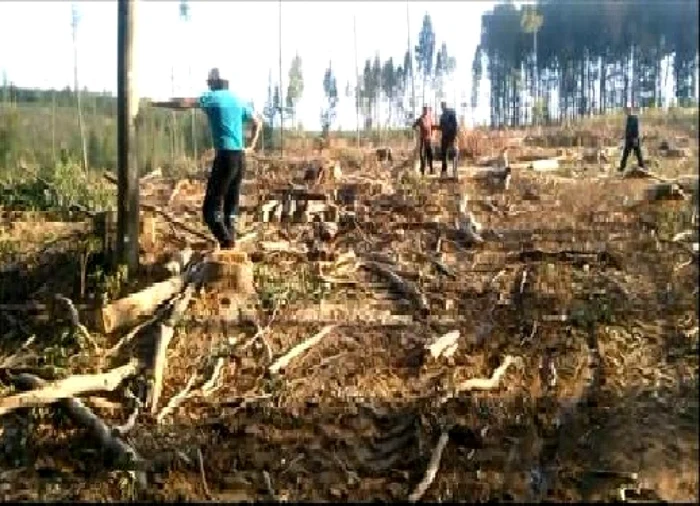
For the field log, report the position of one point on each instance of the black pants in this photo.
(426, 155)
(631, 145)
(221, 199)
(446, 145)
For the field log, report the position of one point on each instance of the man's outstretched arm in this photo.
(178, 103)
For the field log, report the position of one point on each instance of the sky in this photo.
(241, 38)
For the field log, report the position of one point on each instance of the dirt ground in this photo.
(581, 299)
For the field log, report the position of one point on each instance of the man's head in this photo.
(443, 106)
(215, 81)
(426, 110)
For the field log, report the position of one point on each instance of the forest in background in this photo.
(545, 63)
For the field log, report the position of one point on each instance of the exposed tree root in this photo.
(83, 416)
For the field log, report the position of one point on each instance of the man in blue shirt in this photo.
(227, 115)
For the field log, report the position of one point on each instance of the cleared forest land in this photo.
(362, 345)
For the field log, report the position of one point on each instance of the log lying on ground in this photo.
(300, 348)
(125, 311)
(82, 415)
(69, 387)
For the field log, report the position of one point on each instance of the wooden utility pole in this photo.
(357, 84)
(281, 88)
(127, 107)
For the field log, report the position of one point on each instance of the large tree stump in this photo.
(232, 270)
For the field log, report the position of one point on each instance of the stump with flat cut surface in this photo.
(230, 269)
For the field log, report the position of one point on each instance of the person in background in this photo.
(425, 127)
(227, 115)
(631, 139)
(448, 134)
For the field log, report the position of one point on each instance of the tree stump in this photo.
(230, 270)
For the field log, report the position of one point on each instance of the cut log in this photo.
(69, 387)
(83, 416)
(127, 310)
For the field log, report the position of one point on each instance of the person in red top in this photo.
(425, 129)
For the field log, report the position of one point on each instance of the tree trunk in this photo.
(81, 126)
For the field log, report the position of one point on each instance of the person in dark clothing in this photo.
(425, 127)
(631, 140)
(227, 115)
(448, 130)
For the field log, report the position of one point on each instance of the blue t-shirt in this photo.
(226, 113)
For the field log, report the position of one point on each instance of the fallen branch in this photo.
(432, 469)
(487, 383)
(130, 423)
(9, 362)
(400, 284)
(200, 458)
(444, 345)
(682, 236)
(282, 247)
(130, 335)
(483, 383)
(210, 386)
(82, 415)
(176, 400)
(69, 387)
(300, 348)
(166, 331)
(179, 224)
